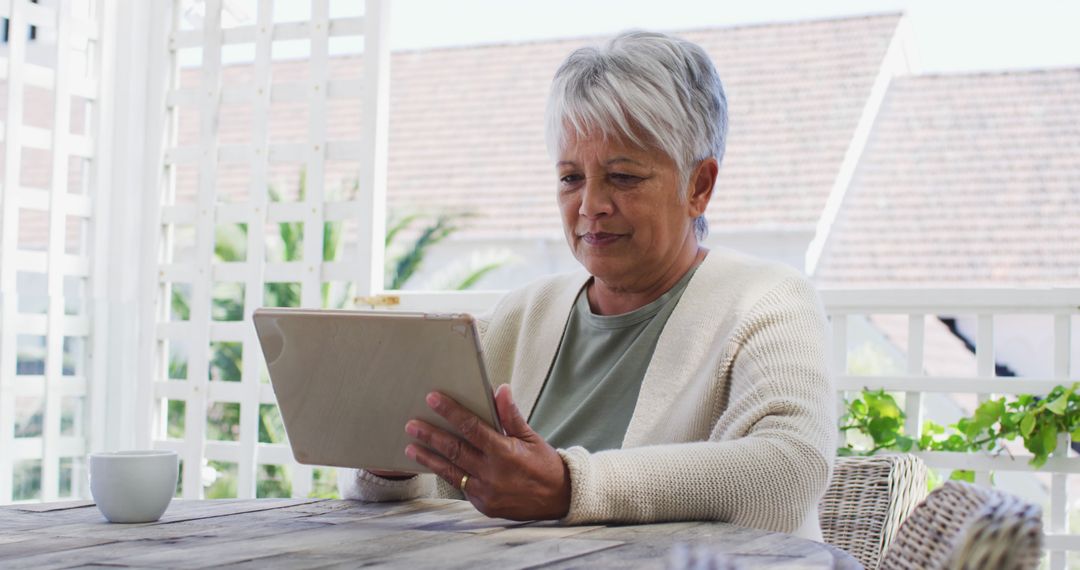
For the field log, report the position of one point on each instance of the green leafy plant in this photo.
(877, 417)
(403, 265)
(402, 268)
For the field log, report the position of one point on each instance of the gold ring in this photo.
(464, 481)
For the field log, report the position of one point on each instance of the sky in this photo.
(949, 35)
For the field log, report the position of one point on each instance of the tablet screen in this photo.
(346, 382)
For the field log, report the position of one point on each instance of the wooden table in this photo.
(313, 533)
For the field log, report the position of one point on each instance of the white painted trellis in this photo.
(368, 149)
(63, 60)
(1061, 305)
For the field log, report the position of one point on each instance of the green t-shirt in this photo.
(592, 389)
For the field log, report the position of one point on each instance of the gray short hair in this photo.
(647, 88)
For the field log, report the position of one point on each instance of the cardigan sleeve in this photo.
(359, 484)
(769, 453)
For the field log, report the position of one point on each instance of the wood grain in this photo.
(420, 534)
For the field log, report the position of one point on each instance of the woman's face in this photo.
(623, 212)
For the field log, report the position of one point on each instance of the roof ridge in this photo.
(579, 38)
(958, 74)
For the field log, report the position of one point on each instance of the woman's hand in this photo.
(515, 476)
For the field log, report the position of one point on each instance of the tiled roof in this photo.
(795, 95)
(466, 124)
(968, 179)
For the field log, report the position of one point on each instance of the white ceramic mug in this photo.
(133, 486)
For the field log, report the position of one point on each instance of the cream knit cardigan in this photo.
(736, 416)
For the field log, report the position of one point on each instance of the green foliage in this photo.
(470, 280)
(177, 369)
(1037, 421)
(180, 307)
(230, 242)
(397, 226)
(225, 361)
(405, 265)
(271, 428)
(176, 419)
(223, 421)
(323, 483)
(273, 482)
(405, 260)
(224, 480)
(26, 480)
(878, 416)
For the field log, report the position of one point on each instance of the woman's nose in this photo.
(595, 199)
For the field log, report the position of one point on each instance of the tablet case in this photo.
(347, 381)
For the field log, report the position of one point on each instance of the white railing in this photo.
(1060, 308)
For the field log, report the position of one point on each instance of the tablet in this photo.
(347, 381)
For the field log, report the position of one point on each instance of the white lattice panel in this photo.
(207, 290)
(49, 74)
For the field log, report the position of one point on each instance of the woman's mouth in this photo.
(600, 238)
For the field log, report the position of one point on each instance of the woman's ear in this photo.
(701, 185)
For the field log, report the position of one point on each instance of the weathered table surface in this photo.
(313, 533)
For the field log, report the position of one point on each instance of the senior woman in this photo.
(666, 382)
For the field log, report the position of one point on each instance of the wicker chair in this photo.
(962, 526)
(867, 500)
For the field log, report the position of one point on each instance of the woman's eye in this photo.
(626, 179)
(570, 179)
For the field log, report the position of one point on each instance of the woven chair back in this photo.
(867, 500)
(962, 526)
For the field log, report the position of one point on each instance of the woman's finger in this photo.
(439, 466)
(454, 449)
(471, 427)
(509, 415)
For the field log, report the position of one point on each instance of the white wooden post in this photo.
(986, 369)
(256, 252)
(50, 471)
(839, 364)
(913, 399)
(1059, 495)
(121, 267)
(102, 174)
(314, 198)
(206, 204)
(152, 187)
(92, 33)
(374, 144)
